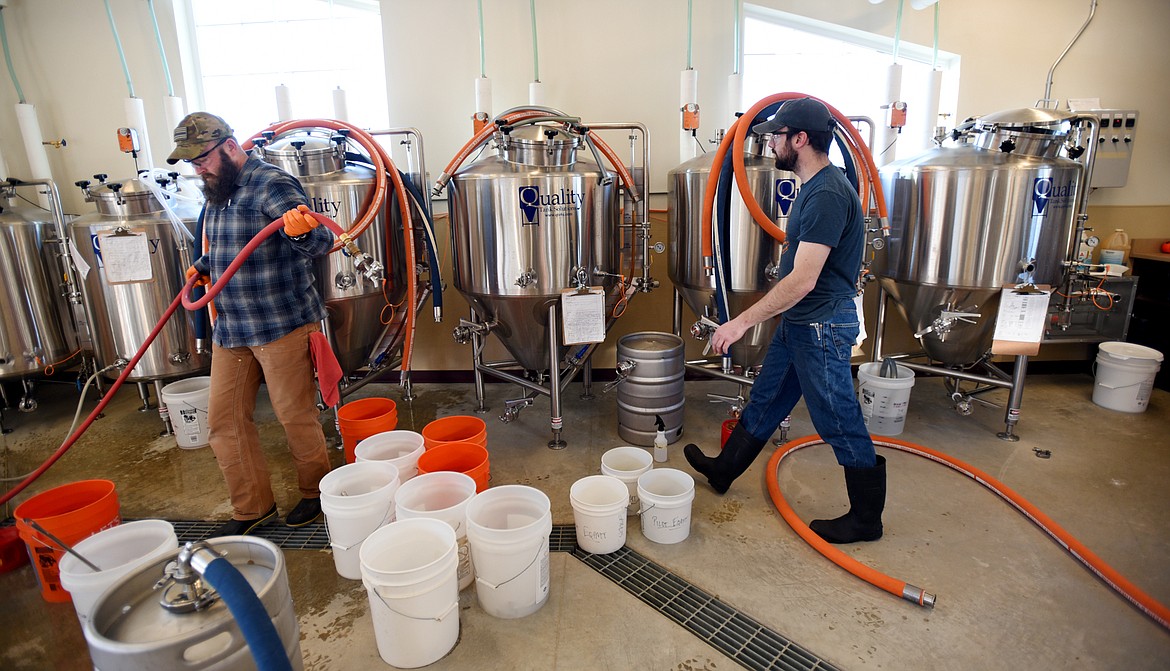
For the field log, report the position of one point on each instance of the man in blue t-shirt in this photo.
(810, 351)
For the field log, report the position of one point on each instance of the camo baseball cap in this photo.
(197, 133)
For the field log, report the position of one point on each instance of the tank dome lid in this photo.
(1028, 119)
(308, 144)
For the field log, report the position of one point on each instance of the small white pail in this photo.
(666, 495)
(626, 464)
(186, 402)
(401, 448)
(884, 400)
(408, 568)
(508, 528)
(1125, 376)
(599, 511)
(442, 495)
(357, 499)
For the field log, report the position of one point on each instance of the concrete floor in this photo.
(1008, 596)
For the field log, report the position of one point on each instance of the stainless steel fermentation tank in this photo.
(753, 256)
(136, 260)
(37, 325)
(339, 184)
(1004, 205)
(537, 217)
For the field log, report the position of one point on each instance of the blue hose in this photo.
(199, 316)
(429, 239)
(255, 624)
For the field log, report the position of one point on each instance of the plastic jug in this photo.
(1115, 244)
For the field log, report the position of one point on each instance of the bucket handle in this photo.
(439, 618)
(543, 545)
(1109, 386)
(345, 548)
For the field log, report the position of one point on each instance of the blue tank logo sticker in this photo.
(529, 205)
(785, 195)
(1041, 191)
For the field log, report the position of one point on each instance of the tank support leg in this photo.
(1015, 400)
(163, 411)
(587, 380)
(144, 394)
(554, 380)
(477, 344)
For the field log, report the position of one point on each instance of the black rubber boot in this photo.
(867, 500)
(740, 450)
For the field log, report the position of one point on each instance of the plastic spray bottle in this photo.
(660, 440)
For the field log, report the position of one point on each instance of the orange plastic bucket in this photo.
(468, 458)
(72, 513)
(725, 433)
(455, 429)
(363, 418)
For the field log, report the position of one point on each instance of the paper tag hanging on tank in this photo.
(583, 315)
(1020, 322)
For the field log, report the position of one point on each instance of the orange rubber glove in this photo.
(203, 279)
(299, 221)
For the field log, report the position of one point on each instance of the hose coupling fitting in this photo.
(440, 184)
(369, 266)
(918, 595)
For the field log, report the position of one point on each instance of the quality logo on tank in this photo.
(1045, 193)
(534, 204)
(786, 190)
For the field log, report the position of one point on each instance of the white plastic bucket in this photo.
(186, 402)
(408, 568)
(357, 499)
(884, 400)
(401, 448)
(1125, 375)
(117, 551)
(666, 495)
(599, 512)
(508, 528)
(626, 464)
(442, 495)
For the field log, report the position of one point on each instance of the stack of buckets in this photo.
(71, 513)
(457, 443)
(360, 419)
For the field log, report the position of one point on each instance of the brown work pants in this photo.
(235, 381)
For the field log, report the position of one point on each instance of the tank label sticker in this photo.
(786, 190)
(534, 204)
(1045, 193)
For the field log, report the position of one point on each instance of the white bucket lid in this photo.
(1128, 350)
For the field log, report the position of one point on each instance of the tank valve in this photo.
(461, 334)
(772, 271)
(623, 370)
(527, 278)
(513, 407)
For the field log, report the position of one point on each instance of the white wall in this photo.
(603, 60)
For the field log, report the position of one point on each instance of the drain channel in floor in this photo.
(721, 626)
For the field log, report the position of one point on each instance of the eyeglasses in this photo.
(783, 133)
(197, 160)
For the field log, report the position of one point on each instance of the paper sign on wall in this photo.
(583, 316)
(1019, 325)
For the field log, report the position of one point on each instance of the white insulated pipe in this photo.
(4, 174)
(340, 105)
(483, 96)
(34, 147)
(734, 97)
(536, 94)
(175, 109)
(885, 150)
(283, 103)
(930, 114)
(136, 119)
(688, 94)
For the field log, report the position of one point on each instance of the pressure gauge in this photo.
(1092, 241)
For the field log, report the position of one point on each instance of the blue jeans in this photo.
(813, 360)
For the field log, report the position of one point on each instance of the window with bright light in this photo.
(239, 51)
(848, 69)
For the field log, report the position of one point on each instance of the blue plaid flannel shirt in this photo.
(274, 292)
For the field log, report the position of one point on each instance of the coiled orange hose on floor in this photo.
(1144, 602)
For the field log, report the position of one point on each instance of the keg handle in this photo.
(623, 370)
(186, 571)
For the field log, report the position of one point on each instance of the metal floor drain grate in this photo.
(723, 627)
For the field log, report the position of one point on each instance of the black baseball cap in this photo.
(798, 114)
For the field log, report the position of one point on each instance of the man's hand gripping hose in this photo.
(362, 261)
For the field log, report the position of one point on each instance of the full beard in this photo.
(218, 187)
(786, 161)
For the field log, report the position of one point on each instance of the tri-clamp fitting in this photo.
(186, 574)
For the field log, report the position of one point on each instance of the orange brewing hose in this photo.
(1144, 602)
(709, 194)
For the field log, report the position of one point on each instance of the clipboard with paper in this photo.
(583, 315)
(1019, 323)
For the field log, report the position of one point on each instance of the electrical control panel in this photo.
(1114, 147)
